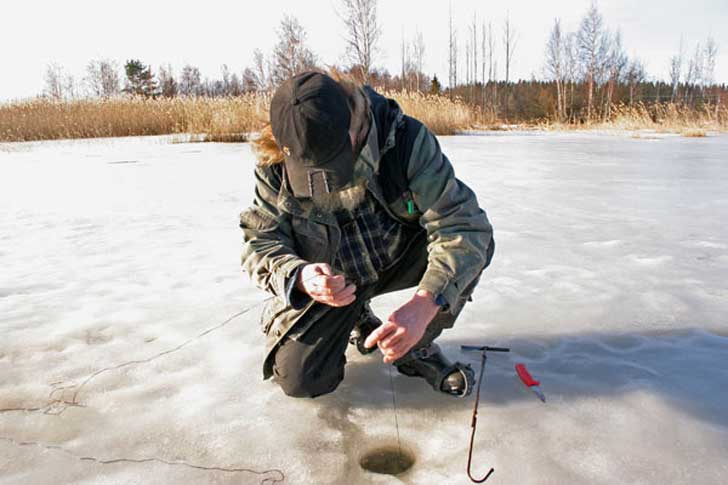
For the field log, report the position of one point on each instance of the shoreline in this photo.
(511, 130)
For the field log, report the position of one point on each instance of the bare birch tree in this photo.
(190, 83)
(491, 51)
(59, 84)
(102, 78)
(467, 63)
(615, 63)
(452, 56)
(634, 75)
(509, 42)
(403, 54)
(698, 66)
(225, 85)
(710, 52)
(590, 42)
(474, 36)
(491, 66)
(291, 56)
(555, 66)
(418, 58)
(571, 69)
(694, 75)
(362, 33)
(54, 81)
(70, 89)
(258, 78)
(483, 50)
(168, 86)
(676, 66)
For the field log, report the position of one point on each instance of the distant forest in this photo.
(586, 73)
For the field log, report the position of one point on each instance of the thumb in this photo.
(373, 338)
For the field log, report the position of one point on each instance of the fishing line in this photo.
(394, 405)
(394, 394)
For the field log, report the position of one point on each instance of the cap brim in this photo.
(307, 180)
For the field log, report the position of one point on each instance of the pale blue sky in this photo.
(210, 33)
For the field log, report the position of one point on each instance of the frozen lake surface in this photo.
(119, 362)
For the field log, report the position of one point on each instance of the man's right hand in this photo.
(319, 282)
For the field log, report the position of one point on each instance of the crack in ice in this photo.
(113, 461)
(57, 405)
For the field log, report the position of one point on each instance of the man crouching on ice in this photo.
(354, 199)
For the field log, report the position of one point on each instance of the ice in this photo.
(120, 362)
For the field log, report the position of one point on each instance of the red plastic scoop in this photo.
(529, 381)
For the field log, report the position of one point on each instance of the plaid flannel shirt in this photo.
(371, 240)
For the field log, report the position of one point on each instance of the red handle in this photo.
(525, 376)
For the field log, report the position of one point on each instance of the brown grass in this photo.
(664, 118)
(218, 119)
(693, 133)
(235, 118)
(441, 114)
(206, 119)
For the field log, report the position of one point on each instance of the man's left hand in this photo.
(405, 327)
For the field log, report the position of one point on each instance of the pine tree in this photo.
(139, 79)
(435, 86)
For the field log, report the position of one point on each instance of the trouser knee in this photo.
(304, 387)
(298, 380)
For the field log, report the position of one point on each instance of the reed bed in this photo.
(236, 118)
(207, 119)
(664, 117)
(215, 119)
(442, 115)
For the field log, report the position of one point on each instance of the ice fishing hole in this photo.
(389, 460)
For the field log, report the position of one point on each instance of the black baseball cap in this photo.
(310, 118)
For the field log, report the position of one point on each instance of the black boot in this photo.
(428, 362)
(364, 326)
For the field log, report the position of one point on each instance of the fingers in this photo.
(327, 285)
(324, 286)
(379, 333)
(395, 352)
(342, 298)
(393, 339)
(318, 279)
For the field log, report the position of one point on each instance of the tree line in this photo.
(586, 73)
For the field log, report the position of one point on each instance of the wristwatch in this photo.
(440, 300)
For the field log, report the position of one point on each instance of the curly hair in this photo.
(265, 147)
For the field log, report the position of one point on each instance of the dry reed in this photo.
(442, 115)
(235, 118)
(663, 117)
(223, 119)
(207, 119)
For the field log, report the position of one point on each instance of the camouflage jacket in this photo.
(281, 233)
